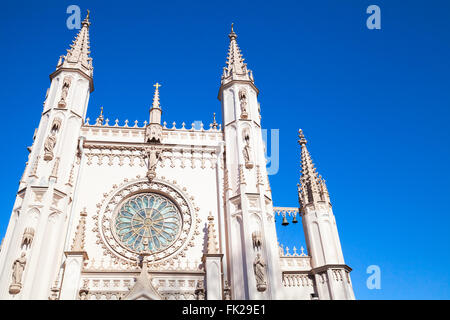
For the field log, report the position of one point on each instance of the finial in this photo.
(86, 20)
(301, 138)
(100, 117)
(157, 85)
(232, 34)
(214, 125)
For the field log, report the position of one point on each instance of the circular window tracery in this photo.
(108, 231)
(147, 222)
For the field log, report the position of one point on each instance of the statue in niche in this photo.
(259, 267)
(153, 156)
(50, 142)
(27, 237)
(246, 151)
(18, 268)
(64, 92)
(243, 101)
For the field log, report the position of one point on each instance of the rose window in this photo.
(147, 222)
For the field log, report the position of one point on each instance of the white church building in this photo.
(110, 211)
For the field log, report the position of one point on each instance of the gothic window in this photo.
(148, 222)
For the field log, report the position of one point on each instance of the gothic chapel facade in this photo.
(109, 211)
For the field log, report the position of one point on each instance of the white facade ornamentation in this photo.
(143, 210)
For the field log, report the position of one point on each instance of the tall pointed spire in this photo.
(311, 188)
(235, 69)
(77, 56)
(154, 127)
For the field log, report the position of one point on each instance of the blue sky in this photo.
(373, 104)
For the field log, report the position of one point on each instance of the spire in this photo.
(156, 96)
(235, 69)
(311, 188)
(77, 56)
(155, 111)
(153, 131)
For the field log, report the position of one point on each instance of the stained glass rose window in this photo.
(148, 221)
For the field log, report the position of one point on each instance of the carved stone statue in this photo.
(243, 101)
(247, 151)
(153, 156)
(18, 268)
(259, 267)
(49, 144)
(64, 92)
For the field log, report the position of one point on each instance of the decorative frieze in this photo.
(194, 157)
(297, 280)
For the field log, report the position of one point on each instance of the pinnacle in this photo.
(77, 56)
(156, 96)
(301, 138)
(235, 68)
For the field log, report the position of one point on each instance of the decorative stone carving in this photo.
(153, 133)
(200, 290)
(227, 291)
(153, 156)
(143, 288)
(243, 102)
(78, 241)
(107, 212)
(70, 180)
(64, 92)
(54, 291)
(247, 151)
(212, 243)
(83, 294)
(259, 267)
(55, 169)
(56, 125)
(256, 240)
(27, 237)
(50, 142)
(18, 268)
